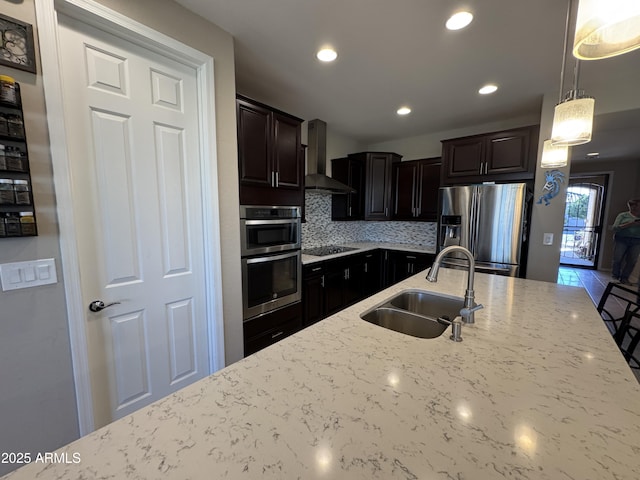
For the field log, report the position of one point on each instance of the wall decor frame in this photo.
(17, 46)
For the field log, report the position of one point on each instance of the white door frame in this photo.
(95, 14)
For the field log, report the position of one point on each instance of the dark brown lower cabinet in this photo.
(371, 280)
(267, 329)
(330, 286)
(399, 265)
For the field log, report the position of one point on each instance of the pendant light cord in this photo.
(564, 51)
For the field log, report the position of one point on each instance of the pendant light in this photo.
(573, 115)
(554, 156)
(605, 28)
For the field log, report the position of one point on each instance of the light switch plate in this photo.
(547, 239)
(28, 274)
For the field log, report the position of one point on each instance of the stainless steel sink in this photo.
(405, 322)
(415, 313)
(429, 304)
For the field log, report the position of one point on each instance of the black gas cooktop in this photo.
(327, 250)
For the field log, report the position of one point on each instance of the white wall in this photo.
(429, 145)
(338, 145)
(37, 398)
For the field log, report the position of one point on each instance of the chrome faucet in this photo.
(468, 310)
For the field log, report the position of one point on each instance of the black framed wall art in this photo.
(17, 49)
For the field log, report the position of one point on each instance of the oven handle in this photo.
(272, 222)
(271, 258)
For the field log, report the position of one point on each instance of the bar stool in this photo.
(616, 303)
(628, 337)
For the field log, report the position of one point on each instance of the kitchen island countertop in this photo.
(537, 390)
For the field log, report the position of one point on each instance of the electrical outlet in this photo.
(547, 239)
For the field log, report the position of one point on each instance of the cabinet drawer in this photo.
(252, 345)
(272, 320)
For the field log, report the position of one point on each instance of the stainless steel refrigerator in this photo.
(490, 220)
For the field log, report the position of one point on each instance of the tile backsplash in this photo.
(319, 230)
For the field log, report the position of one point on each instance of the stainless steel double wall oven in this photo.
(271, 258)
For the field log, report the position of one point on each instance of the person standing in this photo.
(626, 248)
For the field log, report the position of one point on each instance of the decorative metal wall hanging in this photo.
(17, 48)
(551, 188)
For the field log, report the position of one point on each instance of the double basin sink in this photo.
(416, 313)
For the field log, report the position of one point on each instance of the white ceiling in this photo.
(393, 53)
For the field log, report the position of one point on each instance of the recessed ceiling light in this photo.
(487, 89)
(327, 55)
(459, 20)
(403, 111)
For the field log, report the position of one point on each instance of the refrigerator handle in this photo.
(473, 219)
(476, 233)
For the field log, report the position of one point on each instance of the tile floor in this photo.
(594, 282)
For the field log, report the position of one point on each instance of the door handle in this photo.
(98, 305)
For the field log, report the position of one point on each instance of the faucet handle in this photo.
(467, 313)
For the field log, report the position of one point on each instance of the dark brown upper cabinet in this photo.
(350, 206)
(370, 173)
(270, 164)
(508, 155)
(415, 189)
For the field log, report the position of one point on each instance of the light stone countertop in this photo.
(366, 246)
(537, 390)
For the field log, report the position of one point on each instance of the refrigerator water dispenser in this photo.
(450, 230)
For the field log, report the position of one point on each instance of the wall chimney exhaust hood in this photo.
(316, 179)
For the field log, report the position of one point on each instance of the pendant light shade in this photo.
(554, 156)
(605, 28)
(573, 115)
(573, 120)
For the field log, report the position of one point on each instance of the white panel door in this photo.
(132, 118)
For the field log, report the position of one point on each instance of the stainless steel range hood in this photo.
(316, 179)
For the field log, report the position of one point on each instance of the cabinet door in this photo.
(372, 274)
(350, 206)
(254, 144)
(313, 297)
(405, 189)
(334, 289)
(286, 150)
(508, 152)
(464, 157)
(399, 266)
(352, 289)
(428, 184)
(378, 186)
(405, 264)
(356, 180)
